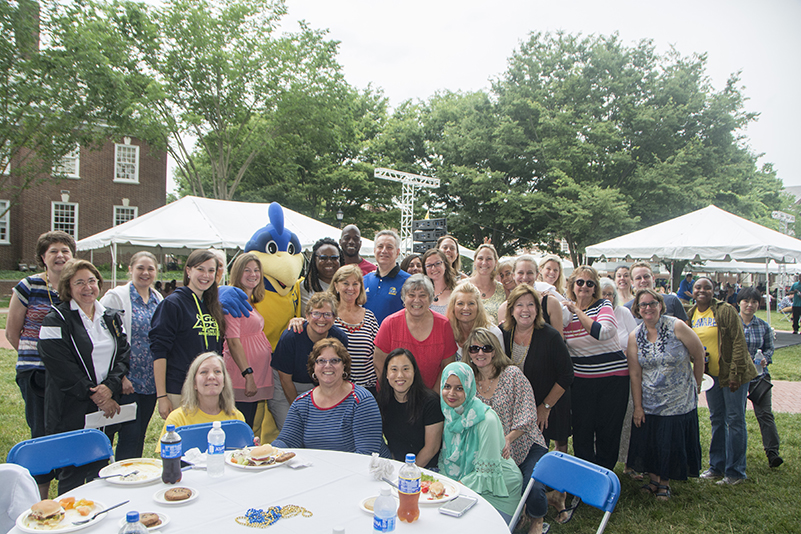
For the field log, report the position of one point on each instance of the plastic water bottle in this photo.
(384, 513)
(215, 455)
(759, 358)
(171, 452)
(132, 525)
(409, 490)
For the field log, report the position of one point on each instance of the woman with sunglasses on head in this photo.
(506, 276)
(504, 388)
(326, 258)
(336, 415)
(410, 411)
(437, 268)
(600, 390)
(666, 362)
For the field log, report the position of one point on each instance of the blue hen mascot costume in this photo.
(278, 249)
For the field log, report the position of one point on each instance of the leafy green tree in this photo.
(60, 87)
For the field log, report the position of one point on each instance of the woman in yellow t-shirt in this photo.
(721, 332)
(207, 394)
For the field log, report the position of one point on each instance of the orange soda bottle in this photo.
(409, 490)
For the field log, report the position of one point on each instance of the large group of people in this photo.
(476, 375)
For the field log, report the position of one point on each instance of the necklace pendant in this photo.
(436, 299)
(483, 296)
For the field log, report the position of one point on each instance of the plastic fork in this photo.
(84, 521)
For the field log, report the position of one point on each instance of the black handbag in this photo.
(758, 387)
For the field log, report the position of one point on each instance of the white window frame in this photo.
(53, 206)
(5, 222)
(118, 209)
(125, 172)
(73, 157)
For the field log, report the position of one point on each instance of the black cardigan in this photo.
(66, 351)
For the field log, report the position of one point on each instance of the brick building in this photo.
(104, 188)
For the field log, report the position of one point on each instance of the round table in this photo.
(331, 488)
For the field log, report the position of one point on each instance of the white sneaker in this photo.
(709, 474)
(731, 481)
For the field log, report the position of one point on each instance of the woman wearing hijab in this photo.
(472, 441)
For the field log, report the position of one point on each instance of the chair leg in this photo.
(604, 521)
(522, 503)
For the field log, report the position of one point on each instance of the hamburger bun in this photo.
(177, 494)
(47, 512)
(150, 519)
(262, 452)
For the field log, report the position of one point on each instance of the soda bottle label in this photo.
(216, 449)
(383, 525)
(408, 486)
(170, 450)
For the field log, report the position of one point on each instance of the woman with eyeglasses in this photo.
(600, 390)
(410, 411)
(86, 353)
(666, 364)
(504, 388)
(291, 354)
(437, 268)
(326, 258)
(337, 415)
(424, 332)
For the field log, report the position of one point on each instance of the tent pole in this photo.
(672, 263)
(114, 265)
(767, 287)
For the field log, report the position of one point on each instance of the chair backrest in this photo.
(596, 485)
(237, 435)
(79, 447)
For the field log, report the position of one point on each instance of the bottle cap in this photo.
(216, 424)
(132, 517)
(170, 428)
(384, 491)
(410, 458)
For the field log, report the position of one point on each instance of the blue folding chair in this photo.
(79, 447)
(237, 435)
(595, 485)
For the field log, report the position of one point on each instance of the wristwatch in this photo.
(547, 406)
(248, 371)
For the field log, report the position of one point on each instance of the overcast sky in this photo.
(413, 48)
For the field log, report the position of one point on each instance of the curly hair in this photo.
(319, 347)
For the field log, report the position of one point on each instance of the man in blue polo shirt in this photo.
(383, 286)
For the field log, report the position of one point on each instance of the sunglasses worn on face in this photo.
(580, 282)
(486, 349)
(323, 257)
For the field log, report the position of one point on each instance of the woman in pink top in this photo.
(247, 351)
(427, 334)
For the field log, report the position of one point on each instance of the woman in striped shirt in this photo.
(336, 415)
(600, 390)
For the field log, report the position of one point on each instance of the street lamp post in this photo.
(340, 216)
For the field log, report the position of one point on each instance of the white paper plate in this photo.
(66, 523)
(707, 383)
(229, 455)
(165, 520)
(451, 492)
(159, 496)
(149, 471)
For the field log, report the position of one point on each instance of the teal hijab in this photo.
(459, 437)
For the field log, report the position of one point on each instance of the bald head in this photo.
(351, 243)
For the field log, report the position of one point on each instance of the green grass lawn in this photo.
(768, 503)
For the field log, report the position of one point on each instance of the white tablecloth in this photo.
(331, 489)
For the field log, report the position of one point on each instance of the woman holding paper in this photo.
(85, 352)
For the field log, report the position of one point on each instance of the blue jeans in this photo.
(729, 435)
(536, 502)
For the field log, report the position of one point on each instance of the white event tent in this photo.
(707, 234)
(194, 222)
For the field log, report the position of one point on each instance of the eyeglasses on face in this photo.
(323, 257)
(646, 305)
(580, 282)
(322, 362)
(321, 315)
(82, 283)
(433, 265)
(486, 349)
